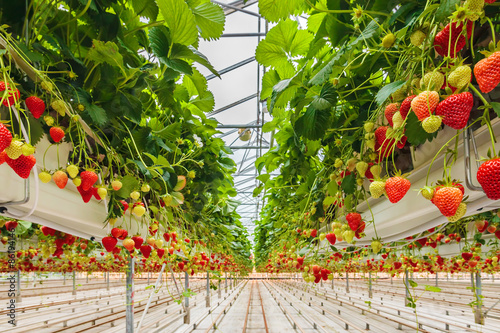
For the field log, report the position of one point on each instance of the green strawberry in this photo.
(15, 149)
(377, 188)
(417, 38)
(431, 124)
(460, 77)
(433, 81)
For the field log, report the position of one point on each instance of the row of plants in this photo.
(111, 89)
(353, 95)
(48, 250)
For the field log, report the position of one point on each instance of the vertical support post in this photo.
(346, 282)
(219, 289)
(187, 317)
(151, 297)
(107, 282)
(478, 313)
(333, 283)
(437, 279)
(370, 295)
(391, 279)
(149, 275)
(129, 314)
(225, 283)
(87, 277)
(208, 290)
(64, 279)
(18, 282)
(407, 287)
(74, 283)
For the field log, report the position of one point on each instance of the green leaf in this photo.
(387, 91)
(445, 9)
(326, 98)
(269, 80)
(171, 132)
(98, 114)
(105, 52)
(170, 55)
(274, 10)
(264, 177)
(313, 123)
(129, 184)
(349, 184)
(180, 21)
(496, 107)
(328, 201)
(146, 8)
(415, 133)
(432, 288)
(413, 284)
(332, 187)
(282, 43)
(22, 227)
(210, 20)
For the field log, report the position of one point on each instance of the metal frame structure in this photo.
(245, 177)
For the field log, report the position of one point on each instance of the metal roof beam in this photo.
(232, 105)
(231, 68)
(238, 6)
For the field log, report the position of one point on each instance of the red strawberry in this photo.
(5, 137)
(314, 233)
(401, 143)
(3, 155)
(390, 110)
(116, 232)
(35, 105)
(490, 1)
(181, 265)
(331, 238)
(422, 241)
(447, 200)
(397, 265)
(47, 231)
(138, 240)
(487, 72)
(316, 269)
(60, 178)
(406, 105)
(488, 176)
(467, 256)
(456, 110)
(396, 188)
(11, 225)
(124, 204)
(360, 230)
(300, 260)
(145, 250)
(89, 178)
(383, 145)
(354, 220)
(57, 134)
(86, 195)
(458, 41)
(160, 252)
(124, 234)
(166, 236)
(95, 192)
(22, 165)
(109, 243)
(12, 97)
(425, 104)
